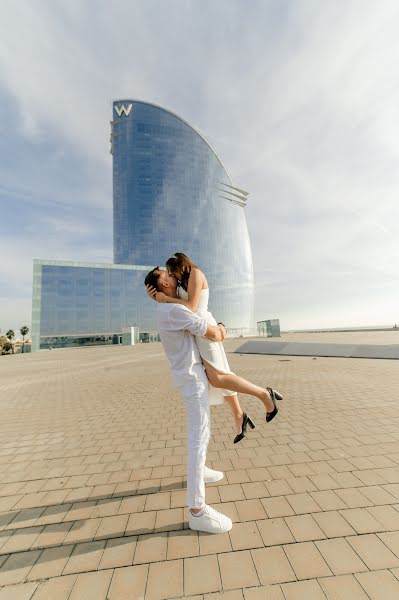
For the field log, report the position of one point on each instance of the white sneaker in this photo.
(210, 476)
(210, 521)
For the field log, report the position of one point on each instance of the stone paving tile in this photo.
(91, 586)
(269, 592)
(379, 584)
(362, 520)
(84, 557)
(52, 535)
(151, 548)
(141, 523)
(237, 570)
(252, 510)
(229, 509)
(182, 544)
(304, 528)
(50, 563)
(387, 516)
(378, 495)
(22, 539)
(277, 507)
(272, 565)
(230, 493)
(328, 500)
(110, 527)
(17, 567)
(303, 590)
(128, 583)
(194, 570)
(222, 595)
(333, 524)
(23, 591)
(245, 536)
(165, 580)
(324, 481)
(278, 487)
(214, 544)
(342, 587)
(82, 531)
(79, 511)
(118, 552)
(373, 552)
(256, 489)
(391, 540)
(275, 532)
(340, 557)
(27, 517)
(353, 498)
(306, 560)
(347, 480)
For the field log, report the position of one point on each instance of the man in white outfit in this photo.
(177, 326)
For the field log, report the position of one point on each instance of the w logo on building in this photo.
(122, 110)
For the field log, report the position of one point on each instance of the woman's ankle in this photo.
(267, 399)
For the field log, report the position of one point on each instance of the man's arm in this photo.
(182, 318)
(215, 333)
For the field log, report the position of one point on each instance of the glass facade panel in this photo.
(172, 193)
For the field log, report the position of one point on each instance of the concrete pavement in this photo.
(92, 478)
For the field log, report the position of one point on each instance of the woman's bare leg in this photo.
(236, 411)
(230, 381)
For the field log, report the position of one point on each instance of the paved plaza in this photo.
(92, 481)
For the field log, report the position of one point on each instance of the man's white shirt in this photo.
(177, 326)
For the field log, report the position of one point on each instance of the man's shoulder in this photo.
(172, 313)
(172, 307)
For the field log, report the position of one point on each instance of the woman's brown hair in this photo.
(180, 266)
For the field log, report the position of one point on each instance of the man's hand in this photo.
(222, 329)
(215, 333)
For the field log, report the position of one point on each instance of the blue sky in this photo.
(299, 98)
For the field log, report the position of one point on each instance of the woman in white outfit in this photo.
(193, 293)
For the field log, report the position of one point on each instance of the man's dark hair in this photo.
(152, 278)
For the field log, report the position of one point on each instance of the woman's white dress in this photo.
(212, 352)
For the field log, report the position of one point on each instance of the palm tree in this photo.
(11, 334)
(7, 346)
(3, 340)
(23, 331)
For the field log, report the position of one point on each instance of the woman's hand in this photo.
(161, 297)
(151, 292)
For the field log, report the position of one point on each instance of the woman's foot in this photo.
(246, 420)
(238, 417)
(267, 400)
(274, 395)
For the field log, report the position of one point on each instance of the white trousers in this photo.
(198, 435)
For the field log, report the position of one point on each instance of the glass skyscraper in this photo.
(171, 193)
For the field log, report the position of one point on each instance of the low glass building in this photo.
(269, 328)
(77, 304)
(171, 193)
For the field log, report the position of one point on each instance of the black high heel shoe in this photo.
(274, 395)
(246, 420)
